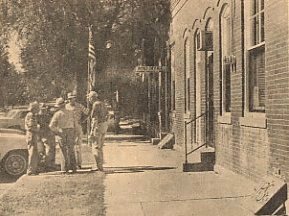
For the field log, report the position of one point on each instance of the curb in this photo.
(121, 138)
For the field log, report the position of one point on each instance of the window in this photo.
(257, 22)
(256, 57)
(226, 60)
(187, 77)
(198, 69)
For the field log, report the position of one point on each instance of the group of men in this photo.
(64, 127)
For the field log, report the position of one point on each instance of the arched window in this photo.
(225, 44)
(198, 69)
(187, 76)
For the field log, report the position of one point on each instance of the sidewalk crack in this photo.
(200, 199)
(142, 208)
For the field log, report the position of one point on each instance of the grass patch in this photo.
(76, 194)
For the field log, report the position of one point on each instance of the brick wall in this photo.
(253, 152)
(182, 25)
(277, 78)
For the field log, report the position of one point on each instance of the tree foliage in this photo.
(12, 84)
(54, 38)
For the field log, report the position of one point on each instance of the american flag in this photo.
(91, 62)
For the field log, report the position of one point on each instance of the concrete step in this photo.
(207, 161)
(197, 167)
(208, 155)
(167, 142)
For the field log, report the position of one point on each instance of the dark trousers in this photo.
(49, 147)
(67, 148)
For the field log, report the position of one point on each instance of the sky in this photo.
(14, 51)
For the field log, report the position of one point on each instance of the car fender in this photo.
(11, 142)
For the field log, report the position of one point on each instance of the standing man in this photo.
(77, 109)
(32, 137)
(99, 115)
(47, 137)
(63, 125)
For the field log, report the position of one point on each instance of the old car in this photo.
(13, 152)
(14, 119)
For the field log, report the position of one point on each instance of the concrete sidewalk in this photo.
(141, 179)
(144, 180)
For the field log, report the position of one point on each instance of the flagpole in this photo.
(88, 86)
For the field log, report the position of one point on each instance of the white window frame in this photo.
(251, 118)
(225, 115)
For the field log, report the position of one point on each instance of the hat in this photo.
(71, 95)
(59, 102)
(42, 106)
(92, 94)
(34, 105)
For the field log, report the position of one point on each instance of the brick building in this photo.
(229, 65)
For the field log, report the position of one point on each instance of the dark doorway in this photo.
(210, 99)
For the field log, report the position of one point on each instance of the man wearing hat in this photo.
(62, 124)
(32, 137)
(99, 116)
(77, 109)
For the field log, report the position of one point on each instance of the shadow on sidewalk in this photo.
(78, 172)
(5, 178)
(135, 169)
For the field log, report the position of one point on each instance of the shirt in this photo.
(99, 112)
(62, 119)
(77, 110)
(44, 120)
(31, 122)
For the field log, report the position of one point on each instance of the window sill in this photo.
(225, 119)
(255, 120)
(262, 44)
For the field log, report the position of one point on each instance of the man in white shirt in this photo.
(77, 109)
(63, 125)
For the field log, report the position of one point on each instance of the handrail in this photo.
(196, 118)
(195, 149)
(186, 144)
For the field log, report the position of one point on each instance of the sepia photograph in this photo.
(144, 107)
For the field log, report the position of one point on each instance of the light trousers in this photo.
(78, 142)
(97, 145)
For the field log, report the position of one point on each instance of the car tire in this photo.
(15, 163)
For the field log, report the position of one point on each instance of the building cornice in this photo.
(176, 6)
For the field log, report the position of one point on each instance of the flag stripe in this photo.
(91, 62)
(90, 52)
(91, 56)
(91, 46)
